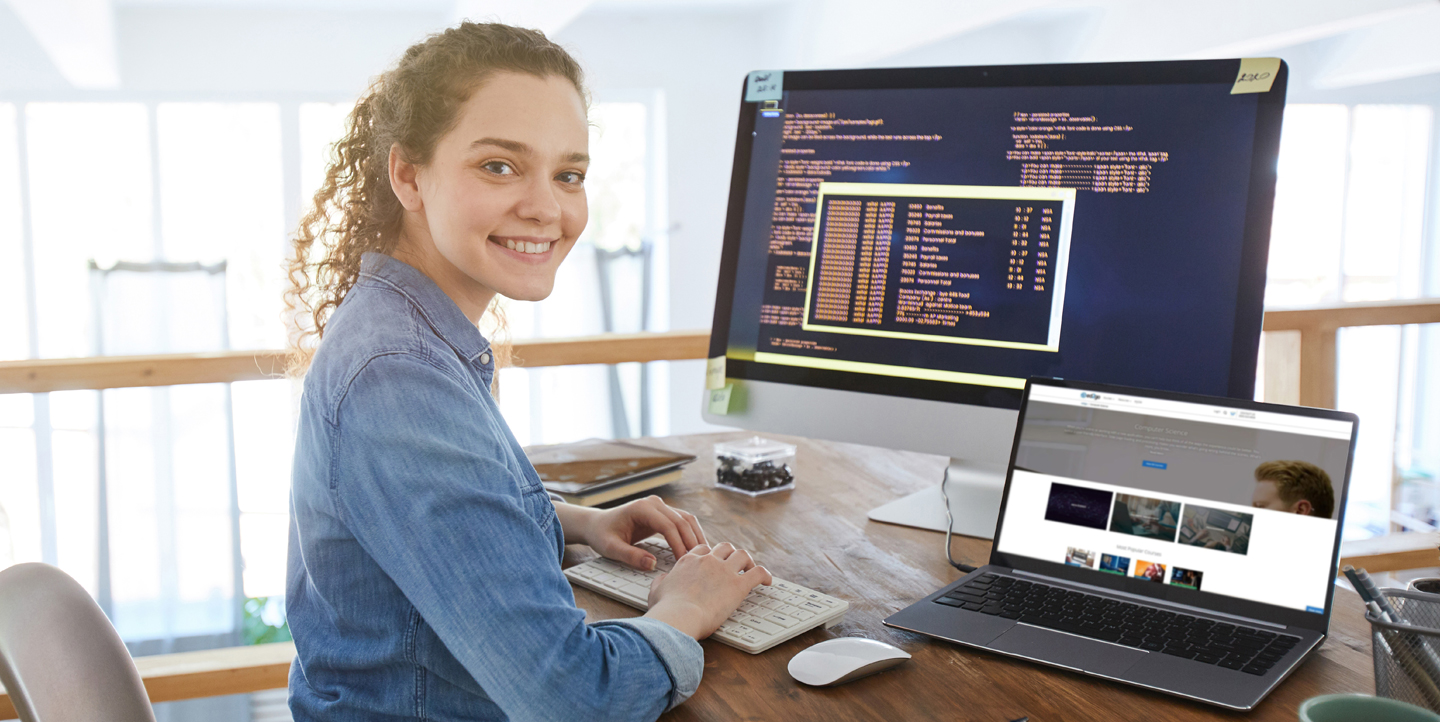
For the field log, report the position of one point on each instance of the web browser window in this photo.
(1229, 501)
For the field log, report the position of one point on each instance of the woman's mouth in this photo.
(533, 247)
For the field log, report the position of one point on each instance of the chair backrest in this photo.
(60, 659)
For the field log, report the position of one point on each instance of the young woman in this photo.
(424, 573)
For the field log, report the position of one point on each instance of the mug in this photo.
(1429, 585)
(1362, 708)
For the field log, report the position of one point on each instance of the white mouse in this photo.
(837, 661)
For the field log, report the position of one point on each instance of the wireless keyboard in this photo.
(769, 616)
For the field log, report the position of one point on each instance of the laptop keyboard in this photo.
(1249, 650)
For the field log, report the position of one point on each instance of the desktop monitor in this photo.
(904, 247)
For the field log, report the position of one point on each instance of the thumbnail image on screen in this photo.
(1145, 517)
(1188, 578)
(1078, 505)
(1079, 558)
(1115, 564)
(1151, 571)
(1220, 529)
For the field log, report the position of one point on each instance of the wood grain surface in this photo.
(818, 535)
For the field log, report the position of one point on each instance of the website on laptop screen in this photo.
(1235, 502)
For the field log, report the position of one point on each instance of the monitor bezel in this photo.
(1209, 601)
(1249, 308)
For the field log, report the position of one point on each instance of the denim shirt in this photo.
(424, 573)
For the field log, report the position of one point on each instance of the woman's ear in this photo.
(404, 181)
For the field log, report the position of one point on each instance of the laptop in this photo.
(1181, 543)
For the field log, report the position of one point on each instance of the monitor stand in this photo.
(974, 489)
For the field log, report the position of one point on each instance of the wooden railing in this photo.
(112, 372)
(1300, 344)
(1299, 368)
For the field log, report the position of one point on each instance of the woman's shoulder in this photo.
(376, 327)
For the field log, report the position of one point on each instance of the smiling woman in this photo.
(424, 576)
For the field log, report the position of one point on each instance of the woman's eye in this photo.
(571, 177)
(499, 167)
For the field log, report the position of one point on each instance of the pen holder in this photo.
(1407, 649)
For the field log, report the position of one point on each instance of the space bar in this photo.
(1061, 625)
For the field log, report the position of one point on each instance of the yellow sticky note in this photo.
(720, 399)
(1256, 75)
(715, 373)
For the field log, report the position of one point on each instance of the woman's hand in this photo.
(613, 532)
(704, 588)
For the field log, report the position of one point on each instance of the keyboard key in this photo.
(803, 615)
(783, 620)
(1207, 658)
(760, 625)
(1253, 669)
(947, 601)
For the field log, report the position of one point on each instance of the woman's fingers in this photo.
(723, 550)
(668, 521)
(740, 561)
(694, 525)
(759, 575)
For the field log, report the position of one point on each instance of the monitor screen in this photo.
(1167, 497)
(944, 233)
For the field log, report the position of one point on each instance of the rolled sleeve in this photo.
(683, 657)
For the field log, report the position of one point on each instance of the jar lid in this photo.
(755, 449)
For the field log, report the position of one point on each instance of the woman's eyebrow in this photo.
(515, 146)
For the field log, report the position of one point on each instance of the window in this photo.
(1349, 226)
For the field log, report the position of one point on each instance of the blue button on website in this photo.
(1153, 464)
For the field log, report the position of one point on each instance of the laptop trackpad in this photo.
(1067, 650)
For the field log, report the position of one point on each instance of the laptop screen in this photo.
(1215, 498)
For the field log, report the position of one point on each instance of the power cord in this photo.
(950, 526)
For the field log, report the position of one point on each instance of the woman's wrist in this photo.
(687, 618)
(575, 522)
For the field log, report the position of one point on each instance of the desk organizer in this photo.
(1407, 648)
(754, 466)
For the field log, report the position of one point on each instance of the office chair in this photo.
(60, 659)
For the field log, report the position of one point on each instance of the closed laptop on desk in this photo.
(1183, 543)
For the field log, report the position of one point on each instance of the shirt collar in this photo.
(438, 310)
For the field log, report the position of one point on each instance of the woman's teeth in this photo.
(527, 246)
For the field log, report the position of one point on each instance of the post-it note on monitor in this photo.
(1256, 75)
(720, 399)
(715, 373)
(764, 85)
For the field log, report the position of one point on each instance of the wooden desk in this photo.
(817, 535)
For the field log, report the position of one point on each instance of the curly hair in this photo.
(411, 106)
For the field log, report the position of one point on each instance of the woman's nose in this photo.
(539, 203)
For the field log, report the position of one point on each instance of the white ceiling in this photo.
(1345, 44)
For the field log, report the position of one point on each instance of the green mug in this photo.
(1362, 708)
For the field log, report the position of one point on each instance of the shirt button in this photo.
(485, 358)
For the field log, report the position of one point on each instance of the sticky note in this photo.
(764, 85)
(1256, 75)
(720, 399)
(715, 373)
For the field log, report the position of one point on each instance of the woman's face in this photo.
(502, 199)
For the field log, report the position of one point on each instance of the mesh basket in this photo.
(1407, 648)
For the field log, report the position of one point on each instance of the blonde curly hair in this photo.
(410, 106)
